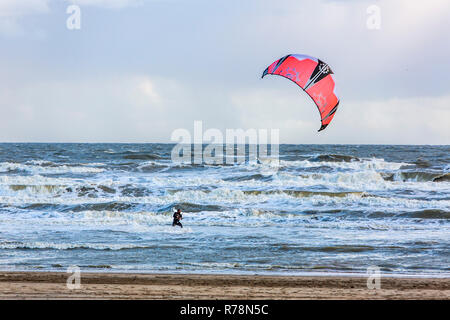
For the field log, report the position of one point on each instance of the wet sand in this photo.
(52, 285)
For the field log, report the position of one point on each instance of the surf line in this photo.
(191, 310)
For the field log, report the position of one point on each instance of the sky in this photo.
(137, 70)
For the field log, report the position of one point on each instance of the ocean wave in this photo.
(141, 156)
(68, 246)
(443, 177)
(47, 168)
(255, 266)
(43, 187)
(416, 176)
(303, 194)
(356, 181)
(336, 248)
(256, 176)
(151, 166)
(222, 198)
(421, 163)
(133, 190)
(427, 214)
(333, 158)
(362, 164)
(36, 188)
(191, 207)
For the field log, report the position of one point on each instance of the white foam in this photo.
(37, 168)
(66, 246)
(363, 164)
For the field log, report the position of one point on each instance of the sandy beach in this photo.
(51, 285)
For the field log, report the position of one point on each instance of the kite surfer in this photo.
(177, 216)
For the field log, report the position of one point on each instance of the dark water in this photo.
(324, 208)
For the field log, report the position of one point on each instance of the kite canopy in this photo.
(314, 77)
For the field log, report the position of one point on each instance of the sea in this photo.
(313, 209)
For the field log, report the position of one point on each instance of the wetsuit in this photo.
(176, 219)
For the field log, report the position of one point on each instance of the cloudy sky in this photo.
(137, 70)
